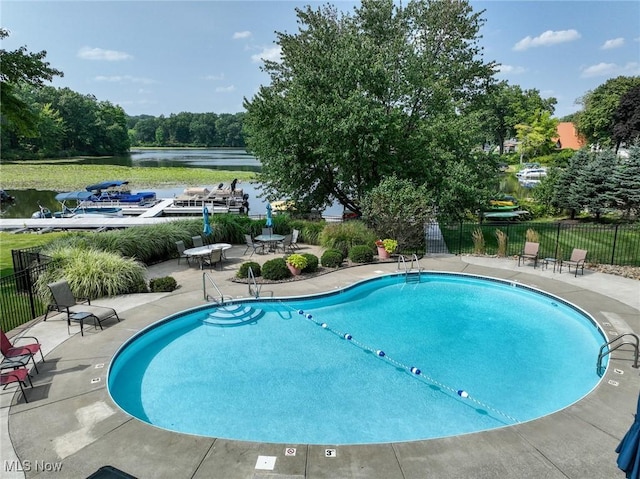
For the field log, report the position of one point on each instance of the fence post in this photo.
(557, 241)
(613, 249)
(460, 239)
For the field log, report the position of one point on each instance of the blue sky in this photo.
(161, 57)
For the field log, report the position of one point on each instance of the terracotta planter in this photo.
(294, 271)
(382, 253)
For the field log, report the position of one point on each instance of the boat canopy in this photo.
(74, 196)
(106, 184)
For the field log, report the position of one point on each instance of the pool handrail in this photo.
(621, 342)
(255, 291)
(207, 297)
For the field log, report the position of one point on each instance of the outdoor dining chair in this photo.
(19, 376)
(19, 354)
(197, 241)
(577, 260)
(181, 248)
(253, 245)
(530, 252)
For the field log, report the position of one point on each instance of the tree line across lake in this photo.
(69, 123)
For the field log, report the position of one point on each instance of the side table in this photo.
(546, 261)
(80, 317)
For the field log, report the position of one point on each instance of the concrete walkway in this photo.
(70, 427)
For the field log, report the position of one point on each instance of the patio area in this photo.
(70, 427)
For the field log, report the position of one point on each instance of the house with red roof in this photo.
(568, 137)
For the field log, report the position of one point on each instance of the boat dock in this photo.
(44, 225)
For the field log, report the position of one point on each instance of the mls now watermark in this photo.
(32, 466)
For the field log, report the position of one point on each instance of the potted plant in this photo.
(386, 247)
(296, 263)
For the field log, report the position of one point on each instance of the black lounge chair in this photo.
(66, 302)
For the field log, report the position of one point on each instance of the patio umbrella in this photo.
(205, 217)
(269, 222)
(628, 449)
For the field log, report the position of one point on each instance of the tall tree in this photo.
(506, 106)
(596, 119)
(626, 183)
(359, 97)
(626, 118)
(21, 67)
(536, 137)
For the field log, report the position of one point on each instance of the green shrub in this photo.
(312, 263)
(361, 254)
(275, 269)
(165, 284)
(243, 272)
(342, 236)
(331, 258)
(92, 273)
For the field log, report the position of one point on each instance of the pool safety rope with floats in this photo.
(414, 370)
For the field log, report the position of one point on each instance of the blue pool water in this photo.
(490, 354)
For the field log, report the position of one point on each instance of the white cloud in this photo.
(241, 35)
(547, 38)
(226, 89)
(613, 43)
(87, 53)
(124, 79)
(611, 70)
(268, 53)
(510, 70)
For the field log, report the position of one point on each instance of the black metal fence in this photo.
(617, 244)
(18, 301)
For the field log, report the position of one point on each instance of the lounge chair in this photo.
(251, 244)
(530, 252)
(16, 355)
(181, 247)
(65, 302)
(197, 241)
(577, 260)
(19, 376)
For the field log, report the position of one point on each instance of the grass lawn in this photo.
(10, 241)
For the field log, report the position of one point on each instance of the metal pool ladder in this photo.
(607, 349)
(412, 272)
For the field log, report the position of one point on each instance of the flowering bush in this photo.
(389, 245)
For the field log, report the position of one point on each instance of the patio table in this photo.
(202, 251)
(272, 240)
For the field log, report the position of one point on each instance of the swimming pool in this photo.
(381, 361)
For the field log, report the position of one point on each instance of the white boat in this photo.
(83, 207)
(532, 173)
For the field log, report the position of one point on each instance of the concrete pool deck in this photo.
(70, 427)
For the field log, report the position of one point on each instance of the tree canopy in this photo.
(362, 96)
(597, 120)
(21, 67)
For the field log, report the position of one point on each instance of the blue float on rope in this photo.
(300, 311)
(347, 336)
(415, 371)
(380, 353)
(463, 394)
(309, 316)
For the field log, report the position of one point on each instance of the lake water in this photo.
(27, 201)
